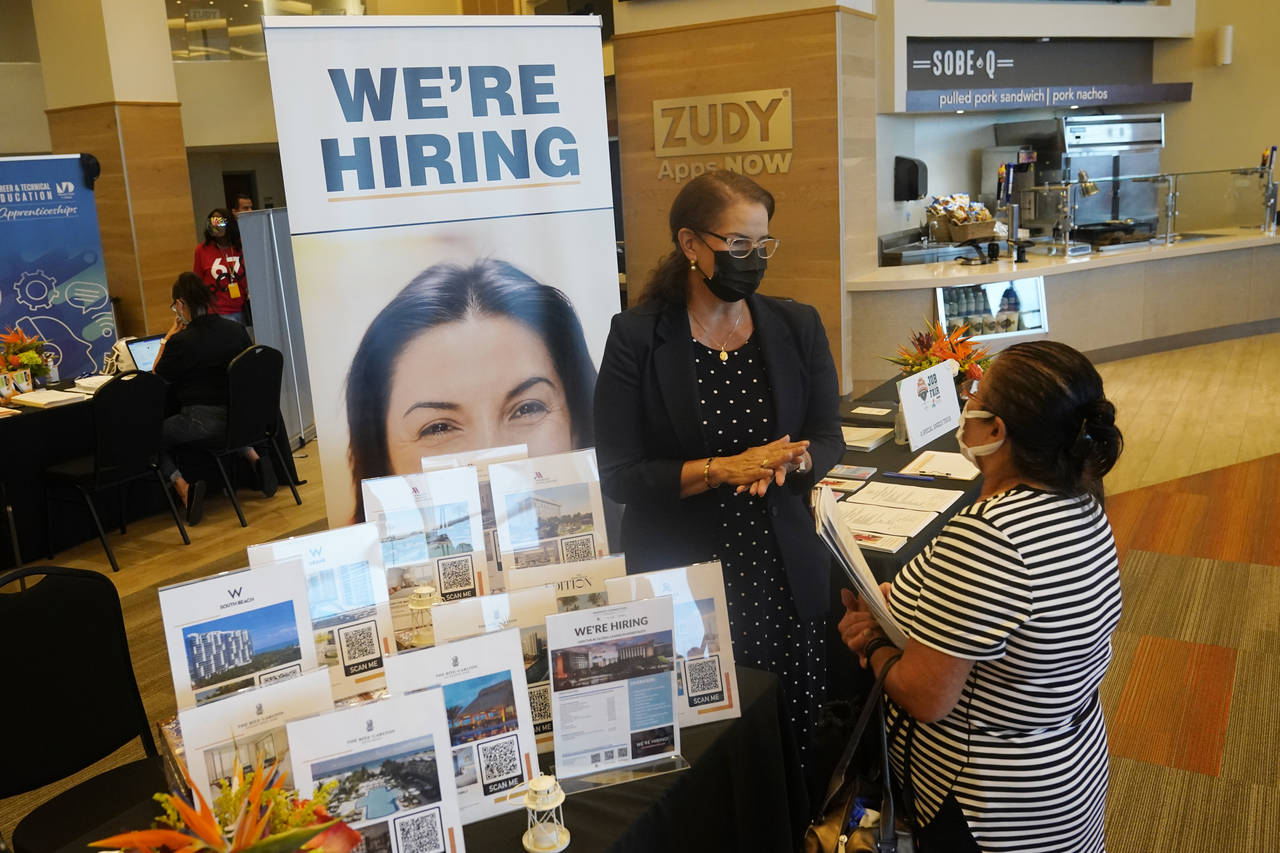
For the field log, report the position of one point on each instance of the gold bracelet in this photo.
(706, 473)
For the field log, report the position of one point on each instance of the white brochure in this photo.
(237, 730)
(706, 681)
(579, 585)
(390, 760)
(432, 544)
(235, 630)
(916, 498)
(613, 686)
(548, 510)
(929, 403)
(842, 544)
(526, 609)
(482, 459)
(490, 726)
(889, 520)
(347, 598)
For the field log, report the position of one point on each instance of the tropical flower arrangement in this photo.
(23, 353)
(934, 346)
(252, 813)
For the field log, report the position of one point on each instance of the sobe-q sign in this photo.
(751, 131)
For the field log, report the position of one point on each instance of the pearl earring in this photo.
(693, 263)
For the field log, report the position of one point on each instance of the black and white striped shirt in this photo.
(1026, 584)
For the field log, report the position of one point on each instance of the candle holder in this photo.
(543, 802)
(420, 601)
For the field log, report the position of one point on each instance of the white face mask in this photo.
(971, 453)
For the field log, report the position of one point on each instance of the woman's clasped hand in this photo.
(754, 469)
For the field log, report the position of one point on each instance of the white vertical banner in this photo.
(452, 222)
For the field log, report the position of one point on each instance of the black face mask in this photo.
(735, 278)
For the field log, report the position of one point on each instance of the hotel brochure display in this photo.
(390, 760)
(430, 532)
(237, 629)
(482, 459)
(490, 725)
(240, 728)
(347, 598)
(525, 609)
(841, 543)
(578, 586)
(548, 510)
(706, 681)
(613, 686)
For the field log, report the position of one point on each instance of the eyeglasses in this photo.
(740, 247)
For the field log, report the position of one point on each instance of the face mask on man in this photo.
(735, 278)
(972, 453)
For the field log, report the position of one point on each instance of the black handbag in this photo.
(829, 831)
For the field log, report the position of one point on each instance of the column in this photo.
(110, 92)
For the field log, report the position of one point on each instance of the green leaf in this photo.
(288, 841)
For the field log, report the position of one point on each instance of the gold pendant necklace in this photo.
(724, 356)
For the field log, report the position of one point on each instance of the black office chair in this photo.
(253, 415)
(127, 415)
(73, 701)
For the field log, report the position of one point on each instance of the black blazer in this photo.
(647, 418)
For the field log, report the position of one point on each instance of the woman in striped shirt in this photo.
(996, 730)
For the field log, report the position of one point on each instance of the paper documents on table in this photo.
(849, 556)
(934, 463)
(919, 498)
(865, 438)
(883, 519)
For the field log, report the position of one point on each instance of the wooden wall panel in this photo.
(796, 51)
(143, 199)
(160, 191)
(858, 169)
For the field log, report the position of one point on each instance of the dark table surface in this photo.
(742, 791)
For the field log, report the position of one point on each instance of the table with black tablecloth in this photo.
(38, 438)
(742, 791)
(845, 679)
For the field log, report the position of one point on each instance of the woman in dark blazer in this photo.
(716, 409)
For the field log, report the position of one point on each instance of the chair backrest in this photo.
(128, 413)
(72, 697)
(253, 395)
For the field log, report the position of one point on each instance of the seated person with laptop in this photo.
(193, 358)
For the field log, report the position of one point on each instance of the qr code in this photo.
(574, 548)
(420, 833)
(359, 643)
(500, 759)
(456, 574)
(702, 675)
(540, 702)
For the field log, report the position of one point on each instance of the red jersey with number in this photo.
(222, 270)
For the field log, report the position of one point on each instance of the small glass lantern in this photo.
(543, 802)
(420, 601)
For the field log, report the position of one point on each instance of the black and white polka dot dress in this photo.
(737, 413)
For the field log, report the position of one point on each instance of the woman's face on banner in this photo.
(472, 384)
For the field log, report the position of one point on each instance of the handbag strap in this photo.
(868, 709)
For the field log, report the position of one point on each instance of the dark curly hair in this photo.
(1061, 426)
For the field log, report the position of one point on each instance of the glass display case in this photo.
(1106, 214)
(1000, 309)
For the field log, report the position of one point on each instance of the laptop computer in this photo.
(143, 351)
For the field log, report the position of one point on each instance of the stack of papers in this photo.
(842, 544)
(91, 384)
(883, 519)
(865, 438)
(46, 399)
(952, 466)
(918, 498)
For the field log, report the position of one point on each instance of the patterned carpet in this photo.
(1193, 695)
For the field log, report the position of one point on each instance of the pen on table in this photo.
(898, 476)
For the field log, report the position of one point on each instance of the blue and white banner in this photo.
(52, 280)
(452, 225)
